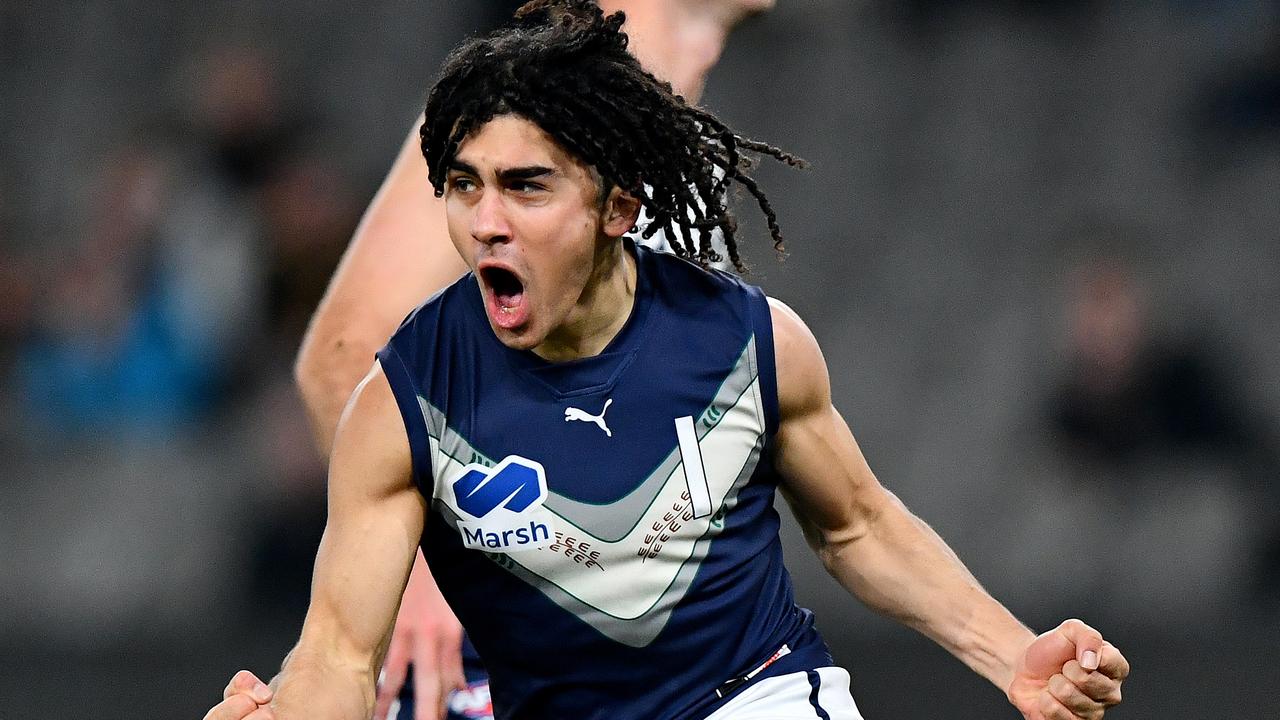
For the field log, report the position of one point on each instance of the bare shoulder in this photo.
(371, 442)
(371, 398)
(803, 383)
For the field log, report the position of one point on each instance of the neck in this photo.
(677, 40)
(601, 310)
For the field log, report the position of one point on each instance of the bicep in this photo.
(371, 536)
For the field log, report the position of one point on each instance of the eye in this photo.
(461, 184)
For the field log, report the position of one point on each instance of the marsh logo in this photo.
(505, 506)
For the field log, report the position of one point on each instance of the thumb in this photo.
(1086, 640)
(1048, 653)
(247, 684)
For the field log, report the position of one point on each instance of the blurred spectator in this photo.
(308, 214)
(1128, 391)
(117, 340)
(17, 290)
(238, 109)
(284, 521)
(1143, 404)
(1245, 100)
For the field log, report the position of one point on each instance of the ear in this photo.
(621, 211)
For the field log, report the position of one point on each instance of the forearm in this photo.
(369, 544)
(901, 568)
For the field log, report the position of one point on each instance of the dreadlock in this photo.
(564, 65)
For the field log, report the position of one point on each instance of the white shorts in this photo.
(821, 693)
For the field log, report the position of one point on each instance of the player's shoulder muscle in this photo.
(371, 447)
(803, 383)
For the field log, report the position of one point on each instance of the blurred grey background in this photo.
(1039, 244)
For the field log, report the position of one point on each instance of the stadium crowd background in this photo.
(1040, 245)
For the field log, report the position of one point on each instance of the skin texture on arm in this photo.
(374, 524)
(681, 40)
(896, 564)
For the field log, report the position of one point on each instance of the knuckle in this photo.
(1071, 696)
(1080, 627)
(242, 682)
(1060, 687)
(1057, 712)
(1122, 672)
(1100, 686)
(1073, 671)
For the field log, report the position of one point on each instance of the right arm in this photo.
(375, 521)
(399, 255)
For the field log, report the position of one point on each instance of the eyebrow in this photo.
(526, 172)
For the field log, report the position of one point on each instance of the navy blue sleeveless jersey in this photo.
(604, 528)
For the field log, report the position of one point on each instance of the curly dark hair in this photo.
(564, 65)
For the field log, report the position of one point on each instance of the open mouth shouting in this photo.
(504, 295)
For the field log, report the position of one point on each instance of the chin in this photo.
(519, 339)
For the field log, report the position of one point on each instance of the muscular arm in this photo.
(867, 539)
(375, 521)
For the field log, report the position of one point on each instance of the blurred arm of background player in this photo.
(892, 561)
(401, 254)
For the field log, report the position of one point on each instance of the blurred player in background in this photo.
(399, 255)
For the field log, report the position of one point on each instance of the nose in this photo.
(489, 223)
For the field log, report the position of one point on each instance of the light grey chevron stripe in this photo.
(641, 631)
(451, 443)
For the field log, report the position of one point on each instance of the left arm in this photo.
(892, 561)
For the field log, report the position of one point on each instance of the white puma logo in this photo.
(574, 413)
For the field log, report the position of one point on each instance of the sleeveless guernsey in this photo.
(604, 528)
